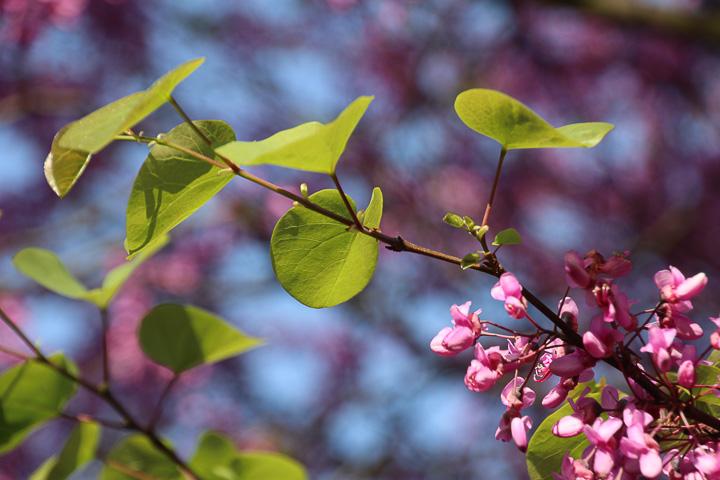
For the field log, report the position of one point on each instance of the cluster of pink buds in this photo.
(653, 429)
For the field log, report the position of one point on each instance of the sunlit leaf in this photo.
(312, 147)
(509, 236)
(513, 125)
(322, 262)
(172, 185)
(216, 458)
(181, 337)
(47, 269)
(30, 394)
(135, 457)
(74, 144)
(78, 451)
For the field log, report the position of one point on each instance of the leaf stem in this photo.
(157, 412)
(188, 120)
(344, 197)
(105, 320)
(496, 180)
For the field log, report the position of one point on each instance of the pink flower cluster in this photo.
(628, 435)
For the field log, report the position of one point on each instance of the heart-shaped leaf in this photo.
(319, 261)
(509, 236)
(30, 394)
(513, 125)
(217, 458)
(78, 451)
(312, 147)
(172, 185)
(181, 337)
(74, 144)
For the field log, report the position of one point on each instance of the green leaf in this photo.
(30, 394)
(79, 450)
(47, 269)
(509, 236)
(374, 210)
(172, 185)
(454, 220)
(513, 125)
(707, 375)
(546, 451)
(136, 457)
(217, 459)
(469, 260)
(74, 144)
(319, 261)
(312, 147)
(181, 337)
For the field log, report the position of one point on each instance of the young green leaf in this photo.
(47, 269)
(319, 261)
(515, 126)
(30, 394)
(136, 457)
(312, 147)
(217, 458)
(78, 451)
(509, 236)
(469, 260)
(454, 220)
(172, 185)
(181, 337)
(74, 144)
(374, 210)
(707, 375)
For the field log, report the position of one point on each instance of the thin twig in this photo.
(105, 320)
(189, 121)
(157, 412)
(498, 170)
(344, 197)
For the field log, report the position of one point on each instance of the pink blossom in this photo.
(575, 273)
(601, 434)
(715, 336)
(509, 290)
(485, 369)
(511, 397)
(675, 288)
(600, 340)
(614, 304)
(709, 464)
(572, 364)
(639, 445)
(513, 426)
(686, 369)
(569, 312)
(572, 469)
(584, 272)
(659, 343)
(466, 330)
(585, 409)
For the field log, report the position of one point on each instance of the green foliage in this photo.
(217, 459)
(47, 269)
(30, 394)
(513, 125)
(78, 451)
(136, 457)
(319, 261)
(509, 236)
(469, 260)
(454, 220)
(75, 143)
(312, 147)
(181, 337)
(707, 375)
(546, 451)
(172, 185)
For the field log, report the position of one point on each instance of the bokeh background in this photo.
(353, 392)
